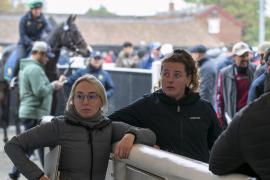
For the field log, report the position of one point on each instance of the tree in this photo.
(246, 12)
(101, 12)
(5, 6)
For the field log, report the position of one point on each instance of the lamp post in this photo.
(261, 21)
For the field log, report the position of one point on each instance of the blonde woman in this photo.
(84, 133)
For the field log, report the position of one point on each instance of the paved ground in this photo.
(5, 163)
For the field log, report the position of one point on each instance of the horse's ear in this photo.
(70, 19)
(74, 18)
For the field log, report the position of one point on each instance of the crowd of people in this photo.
(211, 107)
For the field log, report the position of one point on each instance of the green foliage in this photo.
(6, 6)
(246, 12)
(101, 12)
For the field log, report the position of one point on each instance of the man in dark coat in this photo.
(207, 72)
(244, 146)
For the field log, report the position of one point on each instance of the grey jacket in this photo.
(227, 90)
(79, 144)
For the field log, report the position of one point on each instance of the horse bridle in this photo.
(73, 46)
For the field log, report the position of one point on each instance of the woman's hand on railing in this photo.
(124, 146)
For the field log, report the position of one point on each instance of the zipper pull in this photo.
(178, 108)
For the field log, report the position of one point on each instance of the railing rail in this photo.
(147, 163)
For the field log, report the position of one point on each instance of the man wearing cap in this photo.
(207, 72)
(155, 55)
(31, 27)
(94, 67)
(35, 90)
(233, 83)
(261, 51)
(126, 57)
(262, 83)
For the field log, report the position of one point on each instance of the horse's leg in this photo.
(5, 108)
(17, 120)
(5, 116)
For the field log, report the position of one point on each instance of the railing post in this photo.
(119, 170)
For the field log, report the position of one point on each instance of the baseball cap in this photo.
(155, 45)
(41, 46)
(198, 49)
(240, 48)
(263, 47)
(96, 55)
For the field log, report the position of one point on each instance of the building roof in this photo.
(114, 31)
(210, 9)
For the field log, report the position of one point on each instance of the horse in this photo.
(66, 35)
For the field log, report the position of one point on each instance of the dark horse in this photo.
(65, 35)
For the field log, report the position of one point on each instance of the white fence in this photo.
(147, 163)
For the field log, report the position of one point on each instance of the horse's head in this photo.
(71, 38)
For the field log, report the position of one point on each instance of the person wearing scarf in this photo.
(84, 133)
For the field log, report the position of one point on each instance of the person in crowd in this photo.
(84, 134)
(207, 73)
(244, 146)
(109, 57)
(31, 27)
(166, 49)
(233, 83)
(184, 123)
(262, 83)
(262, 67)
(225, 58)
(35, 90)
(94, 67)
(155, 55)
(126, 57)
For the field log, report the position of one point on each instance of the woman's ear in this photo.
(189, 78)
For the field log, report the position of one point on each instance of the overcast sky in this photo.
(120, 7)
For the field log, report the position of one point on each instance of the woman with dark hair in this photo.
(184, 123)
(84, 134)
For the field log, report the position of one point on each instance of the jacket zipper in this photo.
(92, 153)
(181, 129)
(178, 108)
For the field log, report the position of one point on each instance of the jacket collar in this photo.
(189, 98)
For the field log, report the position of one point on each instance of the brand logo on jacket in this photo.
(194, 117)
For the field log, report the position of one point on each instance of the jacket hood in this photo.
(189, 98)
(26, 62)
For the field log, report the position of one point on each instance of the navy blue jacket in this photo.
(31, 29)
(147, 63)
(256, 88)
(187, 127)
(100, 74)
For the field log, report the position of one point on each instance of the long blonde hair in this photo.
(100, 90)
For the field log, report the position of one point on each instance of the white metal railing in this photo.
(147, 163)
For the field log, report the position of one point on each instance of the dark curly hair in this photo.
(182, 56)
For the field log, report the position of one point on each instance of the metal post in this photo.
(261, 21)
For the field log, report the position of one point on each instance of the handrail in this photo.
(167, 165)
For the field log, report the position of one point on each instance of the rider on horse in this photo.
(31, 27)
